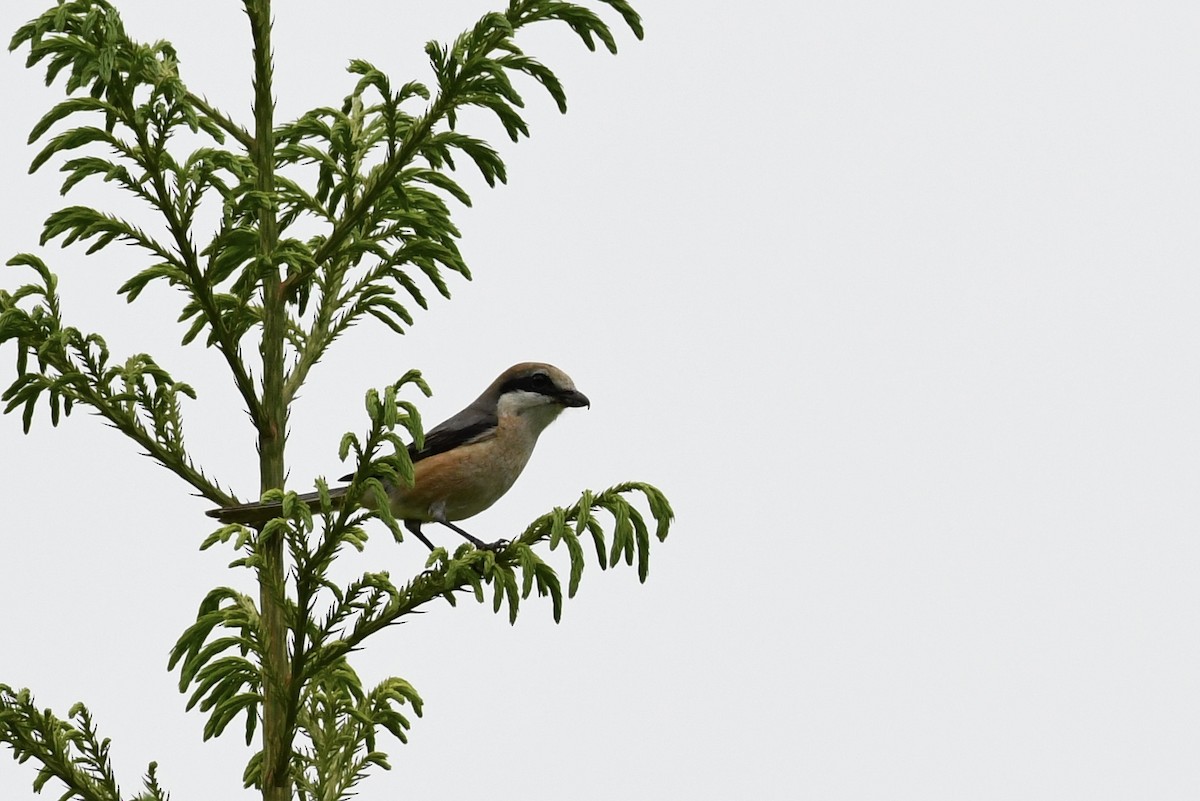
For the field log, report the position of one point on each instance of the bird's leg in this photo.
(478, 543)
(415, 527)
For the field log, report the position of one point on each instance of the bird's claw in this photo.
(495, 547)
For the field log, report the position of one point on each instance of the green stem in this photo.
(223, 122)
(150, 157)
(372, 191)
(272, 426)
(127, 423)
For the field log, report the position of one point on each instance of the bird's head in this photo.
(539, 392)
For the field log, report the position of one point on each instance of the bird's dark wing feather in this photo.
(466, 426)
(469, 425)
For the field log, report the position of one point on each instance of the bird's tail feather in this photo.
(260, 512)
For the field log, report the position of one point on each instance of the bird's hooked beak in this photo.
(573, 398)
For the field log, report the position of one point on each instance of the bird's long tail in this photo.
(259, 512)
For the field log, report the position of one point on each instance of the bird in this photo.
(468, 462)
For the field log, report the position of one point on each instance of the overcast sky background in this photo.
(897, 302)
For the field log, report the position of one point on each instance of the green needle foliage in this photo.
(321, 222)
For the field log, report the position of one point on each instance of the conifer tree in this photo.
(375, 176)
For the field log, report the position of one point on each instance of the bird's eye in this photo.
(540, 381)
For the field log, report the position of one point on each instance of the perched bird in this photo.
(469, 461)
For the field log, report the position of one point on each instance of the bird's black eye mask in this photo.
(539, 383)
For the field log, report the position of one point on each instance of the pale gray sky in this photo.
(898, 302)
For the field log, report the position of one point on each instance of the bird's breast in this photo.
(466, 480)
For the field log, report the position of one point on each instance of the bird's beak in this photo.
(573, 397)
